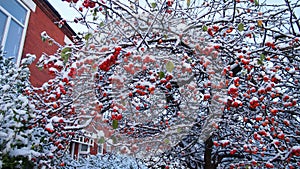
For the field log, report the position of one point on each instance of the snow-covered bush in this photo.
(107, 161)
(15, 113)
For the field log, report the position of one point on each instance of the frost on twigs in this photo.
(195, 84)
(150, 79)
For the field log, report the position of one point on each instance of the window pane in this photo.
(13, 40)
(84, 147)
(100, 148)
(108, 148)
(3, 18)
(15, 9)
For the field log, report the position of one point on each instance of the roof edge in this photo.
(54, 15)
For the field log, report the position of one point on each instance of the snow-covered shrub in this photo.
(107, 161)
(15, 112)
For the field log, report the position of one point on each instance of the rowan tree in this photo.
(194, 84)
(54, 123)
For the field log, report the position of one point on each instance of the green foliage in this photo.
(88, 36)
(188, 2)
(170, 66)
(161, 74)
(65, 54)
(101, 140)
(260, 61)
(153, 4)
(241, 27)
(115, 124)
(19, 162)
(101, 24)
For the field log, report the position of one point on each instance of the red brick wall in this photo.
(76, 149)
(94, 148)
(38, 23)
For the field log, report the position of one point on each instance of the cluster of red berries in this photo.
(111, 60)
(166, 81)
(89, 3)
(170, 2)
(271, 45)
(212, 30)
(116, 116)
(72, 72)
(51, 64)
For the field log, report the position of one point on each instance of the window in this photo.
(13, 23)
(108, 148)
(100, 148)
(84, 148)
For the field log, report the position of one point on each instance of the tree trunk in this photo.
(207, 154)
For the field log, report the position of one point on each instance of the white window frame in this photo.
(24, 3)
(84, 152)
(91, 142)
(81, 139)
(108, 148)
(30, 4)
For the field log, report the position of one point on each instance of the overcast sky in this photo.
(69, 14)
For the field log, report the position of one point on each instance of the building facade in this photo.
(43, 19)
(89, 144)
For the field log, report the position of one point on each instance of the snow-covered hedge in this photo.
(15, 112)
(107, 161)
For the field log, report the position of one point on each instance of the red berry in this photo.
(281, 136)
(118, 48)
(216, 143)
(233, 151)
(258, 118)
(274, 111)
(119, 117)
(269, 165)
(114, 117)
(137, 108)
(206, 96)
(170, 2)
(168, 86)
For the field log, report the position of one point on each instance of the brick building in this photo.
(21, 23)
(43, 19)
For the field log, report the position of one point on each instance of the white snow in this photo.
(25, 151)
(5, 87)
